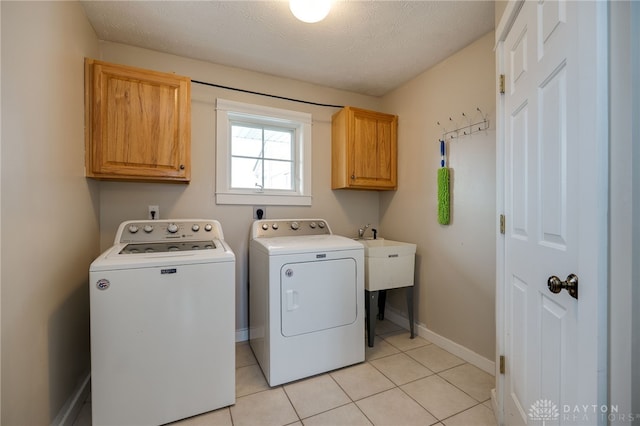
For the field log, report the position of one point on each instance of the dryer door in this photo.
(317, 295)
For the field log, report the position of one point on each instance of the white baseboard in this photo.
(458, 350)
(70, 410)
(494, 406)
(242, 335)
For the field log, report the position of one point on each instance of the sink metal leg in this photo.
(382, 300)
(370, 318)
(409, 294)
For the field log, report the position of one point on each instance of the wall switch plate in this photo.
(154, 212)
(257, 210)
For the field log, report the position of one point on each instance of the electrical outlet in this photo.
(256, 212)
(154, 212)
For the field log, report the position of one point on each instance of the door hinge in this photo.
(501, 364)
(502, 224)
(502, 84)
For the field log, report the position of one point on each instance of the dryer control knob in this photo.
(195, 228)
(133, 229)
(275, 226)
(312, 225)
(265, 226)
(172, 228)
(208, 227)
(295, 226)
(321, 224)
(148, 228)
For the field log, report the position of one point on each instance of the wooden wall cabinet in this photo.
(137, 124)
(364, 150)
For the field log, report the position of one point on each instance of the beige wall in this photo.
(49, 210)
(455, 264)
(344, 210)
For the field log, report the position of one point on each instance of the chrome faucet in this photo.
(362, 230)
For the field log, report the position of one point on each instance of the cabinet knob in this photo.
(353, 176)
(181, 166)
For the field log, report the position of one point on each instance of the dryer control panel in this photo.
(289, 227)
(145, 231)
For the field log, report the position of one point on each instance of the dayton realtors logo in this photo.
(543, 410)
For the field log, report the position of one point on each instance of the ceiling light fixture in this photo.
(310, 11)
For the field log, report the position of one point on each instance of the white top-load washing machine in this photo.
(162, 302)
(306, 299)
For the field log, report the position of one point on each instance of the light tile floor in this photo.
(402, 382)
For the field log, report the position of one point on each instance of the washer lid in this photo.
(112, 259)
(305, 244)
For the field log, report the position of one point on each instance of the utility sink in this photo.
(388, 264)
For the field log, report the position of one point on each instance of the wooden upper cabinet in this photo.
(138, 124)
(364, 150)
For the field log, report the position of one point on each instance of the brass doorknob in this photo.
(571, 284)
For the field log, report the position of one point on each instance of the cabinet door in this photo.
(139, 124)
(373, 158)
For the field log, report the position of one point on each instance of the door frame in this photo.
(601, 234)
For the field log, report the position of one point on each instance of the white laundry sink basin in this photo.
(388, 264)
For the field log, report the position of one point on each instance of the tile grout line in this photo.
(291, 402)
(417, 402)
(457, 387)
(466, 409)
(434, 373)
(461, 390)
(400, 386)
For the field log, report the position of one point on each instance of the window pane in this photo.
(278, 144)
(246, 141)
(246, 173)
(278, 175)
(247, 137)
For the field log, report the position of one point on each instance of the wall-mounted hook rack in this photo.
(466, 130)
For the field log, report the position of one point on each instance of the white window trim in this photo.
(224, 193)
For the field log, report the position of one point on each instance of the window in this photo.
(263, 155)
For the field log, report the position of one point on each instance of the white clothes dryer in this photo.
(306, 299)
(162, 308)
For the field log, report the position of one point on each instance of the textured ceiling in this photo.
(368, 47)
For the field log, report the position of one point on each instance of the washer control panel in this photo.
(289, 227)
(146, 231)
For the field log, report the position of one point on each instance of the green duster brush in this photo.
(443, 189)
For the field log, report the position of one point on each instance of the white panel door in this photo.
(554, 219)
